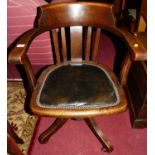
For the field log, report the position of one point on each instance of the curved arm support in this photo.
(135, 52)
(136, 48)
(19, 48)
(17, 54)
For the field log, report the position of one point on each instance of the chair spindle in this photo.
(96, 44)
(76, 43)
(88, 43)
(63, 42)
(56, 45)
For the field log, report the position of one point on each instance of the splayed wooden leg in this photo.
(107, 146)
(58, 123)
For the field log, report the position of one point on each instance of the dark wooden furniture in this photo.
(137, 89)
(137, 93)
(77, 86)
(136, 15)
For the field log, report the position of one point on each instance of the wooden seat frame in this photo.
(55, 18)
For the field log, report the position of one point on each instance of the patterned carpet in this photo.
(22, 123)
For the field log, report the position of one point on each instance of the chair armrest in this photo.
(136, 48)
(20, 46)
(136, 51)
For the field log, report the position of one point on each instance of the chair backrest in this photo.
(75, 28)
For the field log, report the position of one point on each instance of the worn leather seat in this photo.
(83, 86)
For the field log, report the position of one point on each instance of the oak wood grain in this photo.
(76, 16)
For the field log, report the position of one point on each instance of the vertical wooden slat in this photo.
(88, 43)
(56, 44)
(64, 46)
(96, 44)
(76, 43)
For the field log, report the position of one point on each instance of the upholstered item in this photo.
(78, 86)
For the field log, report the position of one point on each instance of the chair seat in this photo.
(78, 86)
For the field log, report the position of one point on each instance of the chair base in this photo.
(58, 123)
(107, 146)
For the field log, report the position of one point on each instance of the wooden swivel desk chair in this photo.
(76, 86)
